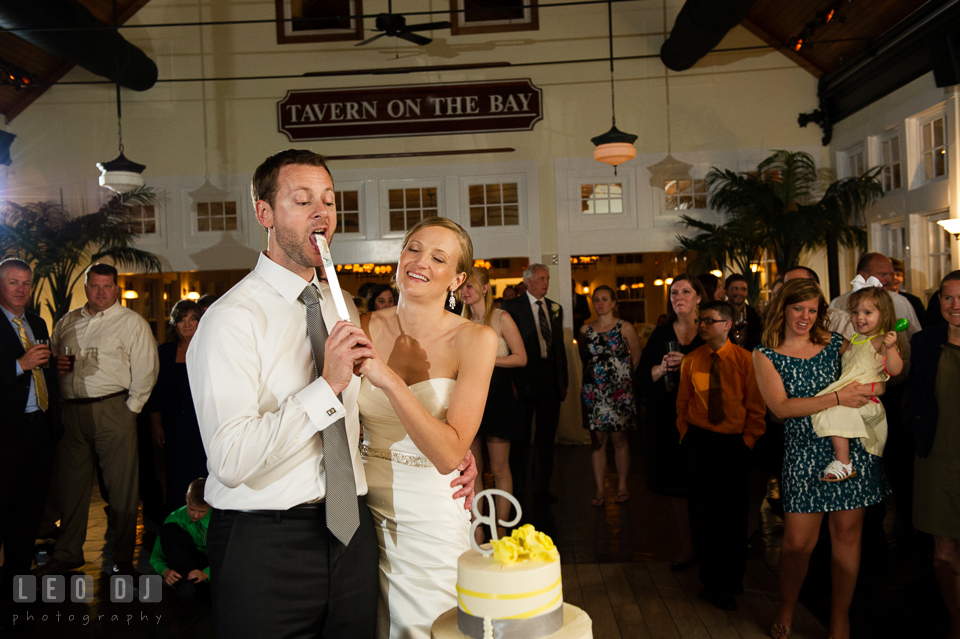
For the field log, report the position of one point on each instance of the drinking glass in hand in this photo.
(71, 358)
(43, 341)
(672, 378)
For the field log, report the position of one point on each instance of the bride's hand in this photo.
(345, 345)
(374, 369)
(468, 474)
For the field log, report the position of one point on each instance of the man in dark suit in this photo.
(542, 383)
(30, 396)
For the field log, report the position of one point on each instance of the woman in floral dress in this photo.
(610, 351)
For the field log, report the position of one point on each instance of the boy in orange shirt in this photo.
(720, 416)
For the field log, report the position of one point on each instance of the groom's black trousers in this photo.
(286, 575)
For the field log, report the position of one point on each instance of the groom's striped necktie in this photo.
(343, 516)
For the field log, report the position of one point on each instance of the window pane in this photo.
(885, 151)
(351, 201)
(939, 158)
(396, 221)
(602, 207)
(509, 191)
(928, 166)
(511, 215)
(216, 223)
(699, 186)
(493, 194)
(230, 224)
(938, 132)
(672, 204)
(216, 209)
(476, 216)
(412, 218)
(683, 187)
(686, 201)
(700, 202)
(482, 10)
(927, 136)
(202, 209)
(586, 190)
(895, 149)
(852, 162)
(150, 227)
(395, 198)
(476, 195)
(588, 207)
(230, 209)
(351, 223)
(203, 224)
(412, 198)
(616, 206)
(429, 213)
(430, 198)
(896, 176)
(495, 216)
(670, 187)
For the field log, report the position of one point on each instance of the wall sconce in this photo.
(193, 295)
(586, 287)
(669, 281)
(130, 295)
(717, 273)
(951, 226)
(658, 282)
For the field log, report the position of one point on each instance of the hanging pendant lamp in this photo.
(613, 147)
(120, 175)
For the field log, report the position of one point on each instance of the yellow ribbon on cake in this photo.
(525, 544)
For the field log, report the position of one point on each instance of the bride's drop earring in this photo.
(452, 301)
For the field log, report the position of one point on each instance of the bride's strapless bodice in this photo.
(381, 426)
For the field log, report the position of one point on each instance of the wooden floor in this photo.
(649, 601)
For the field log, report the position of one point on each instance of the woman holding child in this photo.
(799, 358)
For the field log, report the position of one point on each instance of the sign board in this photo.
(401, 111)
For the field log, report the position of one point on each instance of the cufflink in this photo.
(331, 412)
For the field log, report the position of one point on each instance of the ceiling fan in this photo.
(394, 24)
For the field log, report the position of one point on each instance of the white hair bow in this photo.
(858, 282)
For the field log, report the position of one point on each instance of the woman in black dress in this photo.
(501, 415)
(658, 372)
(170, 407)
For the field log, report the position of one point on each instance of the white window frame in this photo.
(895, 139)
(936, 237)
(693, 195)
(466, 181)
(856, 154)
(360, 188)
(387, 185)
(914, 145)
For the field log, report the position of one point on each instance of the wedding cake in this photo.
(512, 590)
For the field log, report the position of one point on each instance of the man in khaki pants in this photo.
(115, 370)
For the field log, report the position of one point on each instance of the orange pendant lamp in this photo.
(613, 147)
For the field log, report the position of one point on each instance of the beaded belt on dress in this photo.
(401, 458)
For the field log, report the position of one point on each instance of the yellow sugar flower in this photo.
(525, 544)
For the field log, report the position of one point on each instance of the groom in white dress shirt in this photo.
(276, 569)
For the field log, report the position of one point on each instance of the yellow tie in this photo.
(37, 373)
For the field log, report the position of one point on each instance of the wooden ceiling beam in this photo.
(784, 48)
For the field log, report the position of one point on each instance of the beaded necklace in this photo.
(853, 340)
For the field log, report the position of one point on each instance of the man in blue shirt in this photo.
(30, 396)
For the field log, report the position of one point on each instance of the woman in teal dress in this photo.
(799, 358)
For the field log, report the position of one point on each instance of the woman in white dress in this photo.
(421, 402)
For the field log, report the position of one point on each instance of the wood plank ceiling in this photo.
(856, 24)
(777, 22)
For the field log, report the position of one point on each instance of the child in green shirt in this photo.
(180, 552)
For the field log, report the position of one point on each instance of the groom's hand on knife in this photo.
(468, 473)
(345, 345)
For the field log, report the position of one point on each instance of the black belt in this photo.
(35, 416)
(301, 511)
(94, 400)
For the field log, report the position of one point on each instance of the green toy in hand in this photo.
(901, 325)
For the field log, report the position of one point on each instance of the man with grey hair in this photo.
(31, 424)
(542, 383)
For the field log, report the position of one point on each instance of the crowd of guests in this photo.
(834, 392)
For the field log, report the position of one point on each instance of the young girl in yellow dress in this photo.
(871, 356)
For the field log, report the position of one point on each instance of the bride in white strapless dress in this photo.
(421, 402)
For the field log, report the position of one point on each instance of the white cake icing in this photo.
(526, 589)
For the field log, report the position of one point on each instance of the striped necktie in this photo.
(545, 330)
(41, 385)
(715, 392)
(343, 515)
